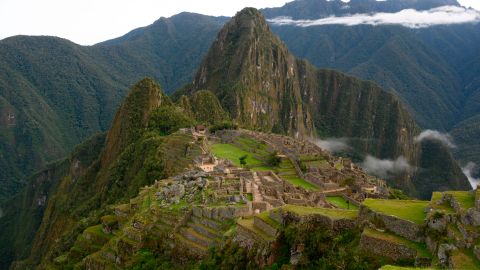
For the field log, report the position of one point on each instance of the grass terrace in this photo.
(466, 199)
(233, 153)
(286, 171)
(410, 210)
(421, 249)
(341, 203)
(332, 213)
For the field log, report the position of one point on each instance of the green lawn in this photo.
(332, 213)
(465, 199)
(233, 153)
(340, 202)
(390, 237)
(410, 210)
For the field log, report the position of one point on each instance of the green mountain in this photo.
(266, 88)
(55, 94)
(433, 69)
(54, 221)
(67, 196)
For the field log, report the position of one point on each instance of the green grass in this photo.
(332, 213)
(248, 224)
(420, 248)
(97, 229)
(464, 260)
(233, 153)
(299, 182)
(410, 210)
(465, 199)
(287, 171)
(340, 202)
(266, 218)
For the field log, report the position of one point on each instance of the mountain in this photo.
(143, 147)
(315, 9)
(266, 88)
(62, 199)
(76, 89)
(55, 94)
(431, 69)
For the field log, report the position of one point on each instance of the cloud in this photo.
(435, 135)
(408, 17)
(469, 171)
(384, 168)
(333, 144)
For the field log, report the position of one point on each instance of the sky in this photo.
(87, 22)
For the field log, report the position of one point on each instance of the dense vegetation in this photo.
(71, 195)
(55, 94)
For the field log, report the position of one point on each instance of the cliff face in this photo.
(264, 87)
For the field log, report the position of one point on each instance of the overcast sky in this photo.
(90, 21)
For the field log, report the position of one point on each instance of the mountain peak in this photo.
(132, 116)
(248, 18)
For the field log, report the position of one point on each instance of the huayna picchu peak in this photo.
(262, 161)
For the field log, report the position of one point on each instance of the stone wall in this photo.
(265, 227)
(222, 212)
(386, 248)
(322, 220)
(405, 228)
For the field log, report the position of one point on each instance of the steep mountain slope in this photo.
(135, 154)
(264, 87)
(55, 94)
(23, 214)
(433, 69)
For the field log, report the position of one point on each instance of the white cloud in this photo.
(333, 144)
(408, 17)
(384, 168)
(469, 171)
(435, 135)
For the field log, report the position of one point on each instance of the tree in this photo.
(243, 160)
(273, 159)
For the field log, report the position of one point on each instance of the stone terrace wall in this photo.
(387, 249)
(323, 220)
(405, 228)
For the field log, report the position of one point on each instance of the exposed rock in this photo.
(438, 224)
(172, 193)
(443, 253)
